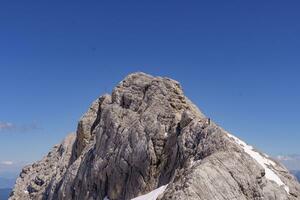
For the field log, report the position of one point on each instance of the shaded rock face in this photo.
(145, 135)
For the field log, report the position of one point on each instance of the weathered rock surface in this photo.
(43, 176)
(147, 134)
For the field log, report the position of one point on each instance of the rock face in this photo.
(43, 176)
(148, 135)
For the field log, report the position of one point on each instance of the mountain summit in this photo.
(148, 141)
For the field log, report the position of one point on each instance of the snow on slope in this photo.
(263, 161)
(149, 196)
(153, 194)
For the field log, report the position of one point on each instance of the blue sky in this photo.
(237, 60)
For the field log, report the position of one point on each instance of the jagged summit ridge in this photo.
(147, 135)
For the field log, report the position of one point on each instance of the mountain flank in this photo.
(147, 140)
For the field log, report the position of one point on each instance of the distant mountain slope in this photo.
(292, 162)
(4, 193)
(297, 174)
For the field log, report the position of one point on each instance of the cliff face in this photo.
(147, 139)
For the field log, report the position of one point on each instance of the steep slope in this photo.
(146, 136)
(43, 176)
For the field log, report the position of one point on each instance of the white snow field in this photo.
(263, 161)
(149, 196)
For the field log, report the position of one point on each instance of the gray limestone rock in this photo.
(148, 134)
(43, 176)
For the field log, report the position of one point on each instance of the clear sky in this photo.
(239, 61)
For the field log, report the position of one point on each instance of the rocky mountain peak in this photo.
(148, 139)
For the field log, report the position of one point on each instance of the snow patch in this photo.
(153, 194)
(263, 161)
(149, 196)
